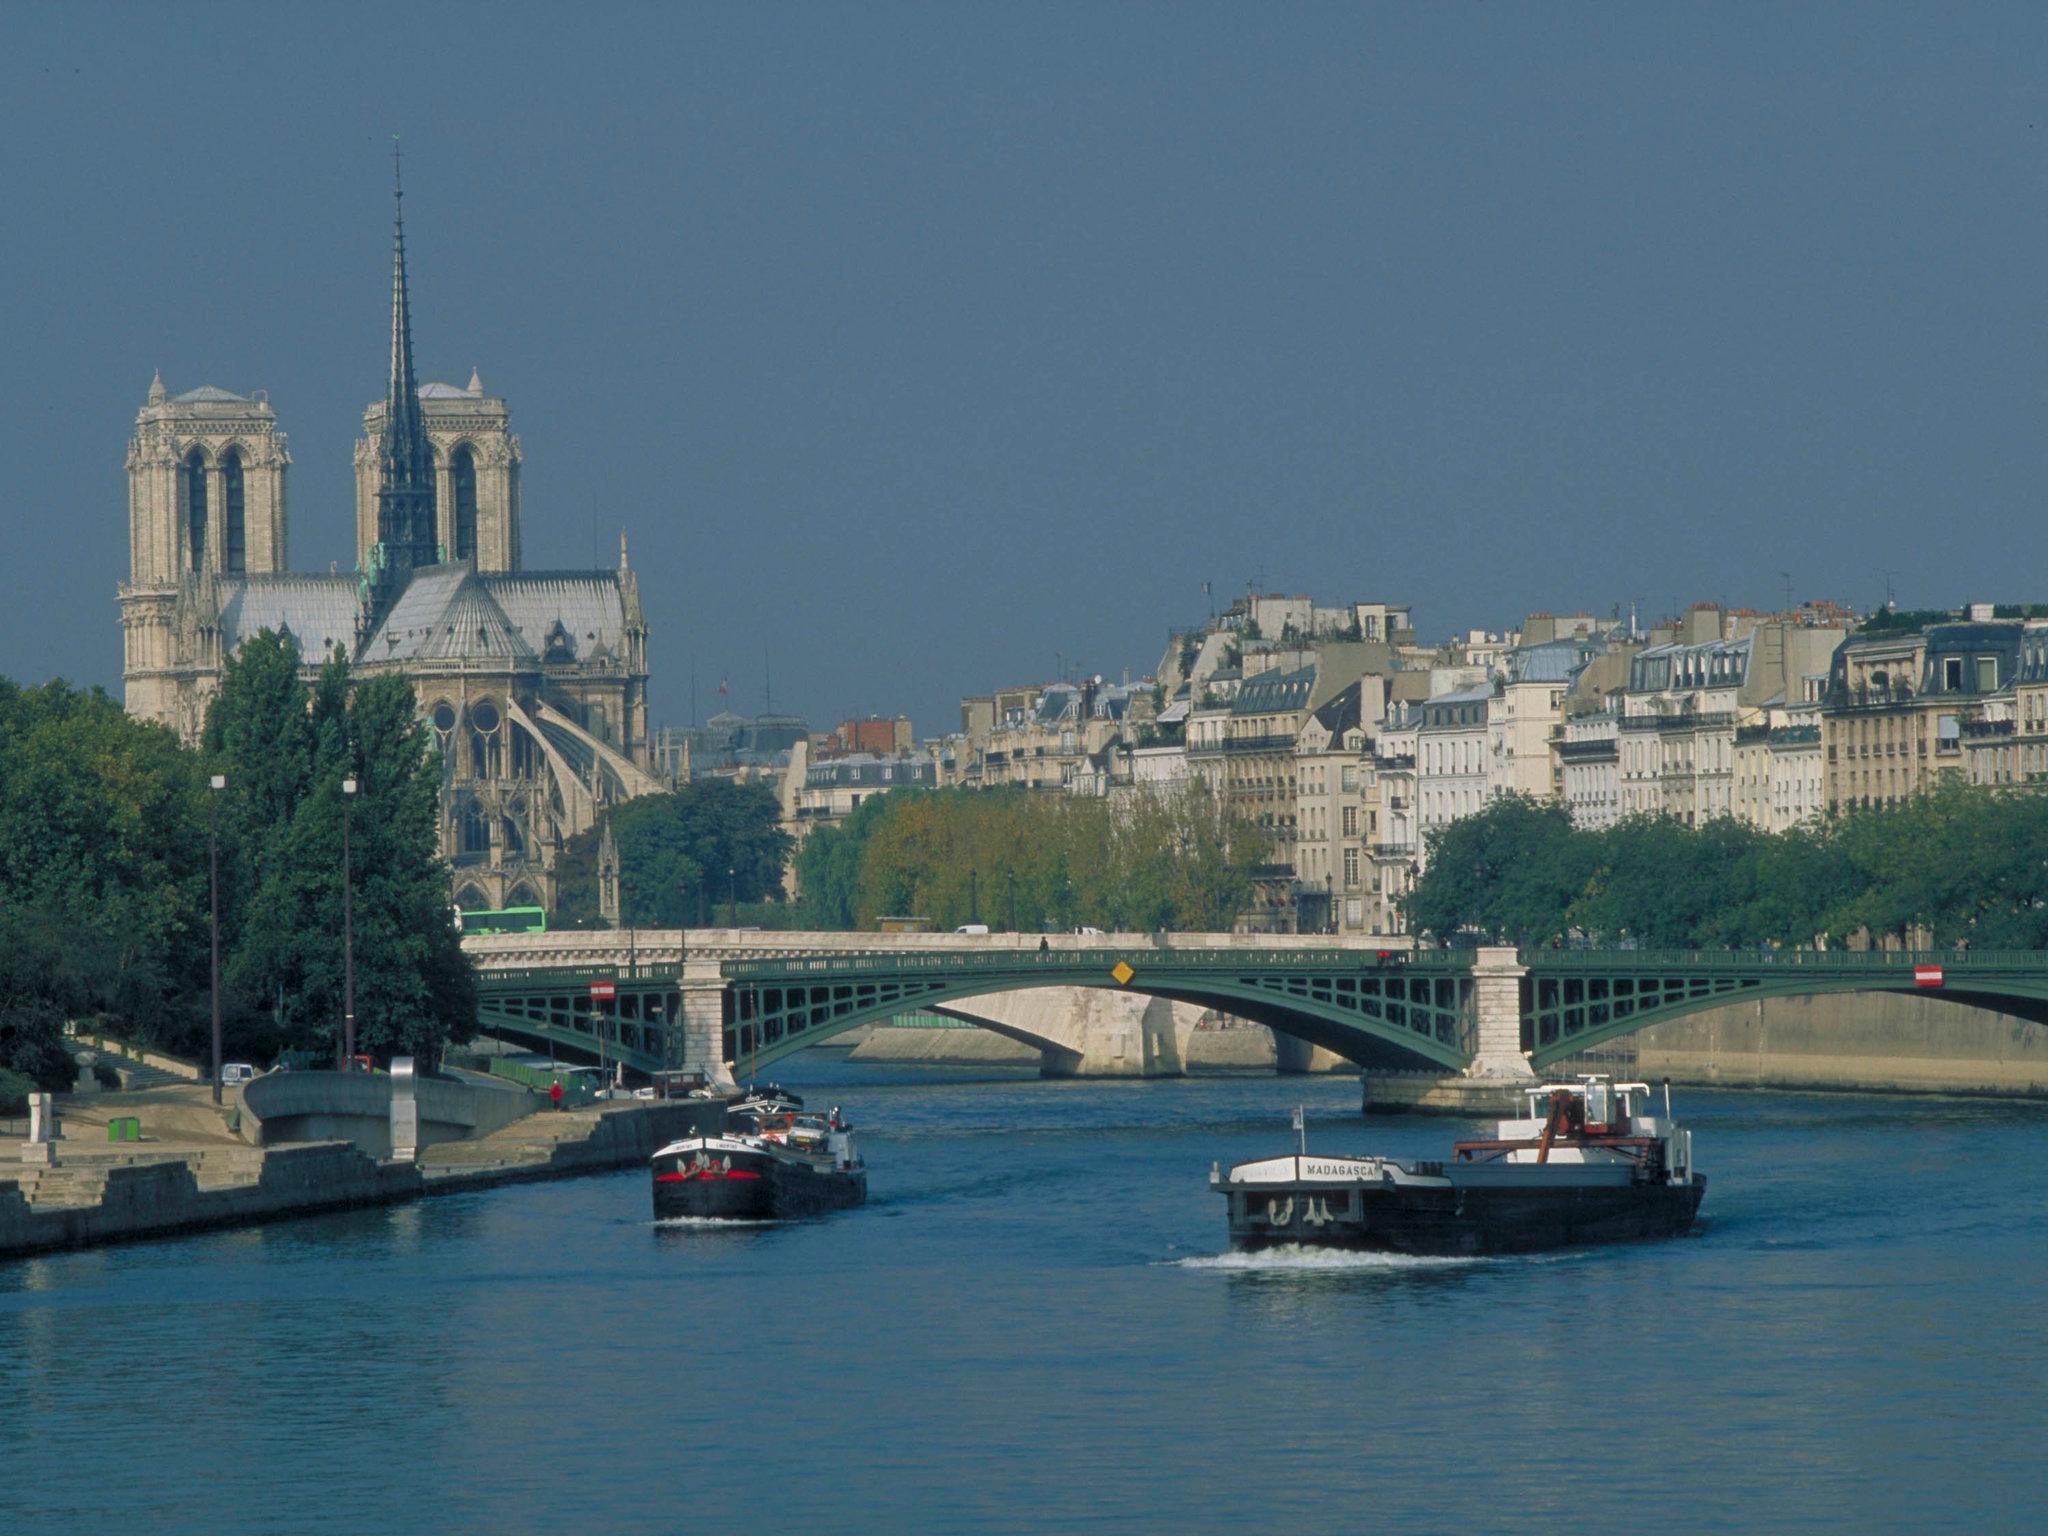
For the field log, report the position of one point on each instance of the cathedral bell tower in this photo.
(206, 508)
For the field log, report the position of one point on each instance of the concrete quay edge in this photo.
(163, 1198)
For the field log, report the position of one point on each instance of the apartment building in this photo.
(1897, 705)
(1688, 699)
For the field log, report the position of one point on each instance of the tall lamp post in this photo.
(732, 898)
(348, 929)
(215, 786)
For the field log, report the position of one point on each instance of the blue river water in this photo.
(1034, 1326)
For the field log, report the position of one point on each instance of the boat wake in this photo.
(713, 1223)
(1317, 1260)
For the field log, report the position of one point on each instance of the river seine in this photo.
(1033, 1326)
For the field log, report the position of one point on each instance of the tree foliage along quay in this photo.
(102, 874)
(1959, 864)
(1146, 862)
(285, 757)
(681, 856)
(103, 870)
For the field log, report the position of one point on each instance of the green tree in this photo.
(286, 752)
(100, 843)
(675, 852)
(1511, 872)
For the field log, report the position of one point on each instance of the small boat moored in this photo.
(1588, 1163)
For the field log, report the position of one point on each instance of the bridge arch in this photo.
(1403, 1012)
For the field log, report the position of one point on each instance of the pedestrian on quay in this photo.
(555, 1093)
(1045, 946)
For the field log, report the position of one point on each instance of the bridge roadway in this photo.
(722, 997)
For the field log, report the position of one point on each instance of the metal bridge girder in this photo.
(1420, 1015)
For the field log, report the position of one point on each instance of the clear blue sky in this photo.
(917, 344)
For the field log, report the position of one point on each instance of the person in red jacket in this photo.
(555, 1093)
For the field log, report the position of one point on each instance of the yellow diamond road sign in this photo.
(1123, 973)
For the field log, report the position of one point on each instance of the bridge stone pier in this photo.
(703, 1019)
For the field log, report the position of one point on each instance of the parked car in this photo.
(233, 1072)
(975, 928)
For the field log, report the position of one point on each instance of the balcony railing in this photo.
(1714, 720)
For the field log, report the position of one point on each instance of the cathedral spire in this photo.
(405, 500)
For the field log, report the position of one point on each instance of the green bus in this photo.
(503, 920)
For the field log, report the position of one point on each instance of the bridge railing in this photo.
(1102, 961)
(1598, 961)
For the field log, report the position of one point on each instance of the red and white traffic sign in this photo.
(1927, 976)
(603, 991)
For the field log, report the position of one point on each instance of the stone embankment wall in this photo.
(1876, 1041)
(152, 1199)
(94, 1197)
(1200, 1042)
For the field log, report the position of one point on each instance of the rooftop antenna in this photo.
(767, 684)
(1786, 576)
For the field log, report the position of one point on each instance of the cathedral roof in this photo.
(444, 392)
(320, 611)
(212, 394)
(583, 613)
(446, 614)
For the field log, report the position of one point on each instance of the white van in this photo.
(975, 928)
(233, 1072)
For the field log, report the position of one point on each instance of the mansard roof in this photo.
(1272, 692)
(212, 394)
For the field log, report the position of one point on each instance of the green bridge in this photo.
(1450, 1011)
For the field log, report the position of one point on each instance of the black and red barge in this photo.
(1588, 1163)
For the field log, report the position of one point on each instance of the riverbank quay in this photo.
(195, 1174)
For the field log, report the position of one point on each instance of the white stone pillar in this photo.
(703, 1021)
(1497, 984)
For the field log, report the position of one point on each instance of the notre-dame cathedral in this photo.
(535, 682)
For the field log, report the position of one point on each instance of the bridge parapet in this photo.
(1844, 961)
(667, 948)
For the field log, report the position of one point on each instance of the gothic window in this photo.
(475, 830)
(234, 537)
(483, 745)
(195, 510)
(522, 896)
(470, 899)
(462, 476)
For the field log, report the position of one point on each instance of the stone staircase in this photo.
(59, 1186)
(136, 1074)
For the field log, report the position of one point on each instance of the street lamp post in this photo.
(348, 928)
(732, 898)
(1012, 878)
(215, 786)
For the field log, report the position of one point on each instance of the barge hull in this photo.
(1454, 1221)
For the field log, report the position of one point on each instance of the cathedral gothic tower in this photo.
(205, 499)
(476, 475)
